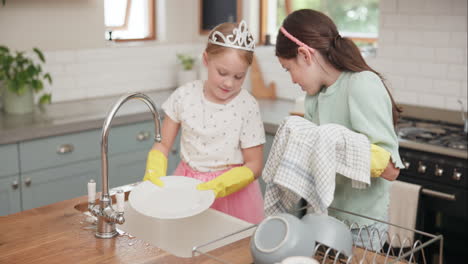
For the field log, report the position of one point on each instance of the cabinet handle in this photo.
(143, 136)
(65, 148)
(174, 151)
(28, 181)
(15, 185)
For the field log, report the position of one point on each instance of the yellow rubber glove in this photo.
(156, 166)
(379, 160)
(229, 182)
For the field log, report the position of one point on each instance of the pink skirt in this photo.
(246, 204)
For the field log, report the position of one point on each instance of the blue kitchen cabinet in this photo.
(56, 184)
(10, 194)
(9, 164)
(57, 168)
(128, 147)
(126, 168)
(130, 137)
(10, 186)
(58, 151)
(47, 170)
(173, 158)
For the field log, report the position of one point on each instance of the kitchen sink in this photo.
(179, 236)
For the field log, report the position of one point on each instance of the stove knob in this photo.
(456, 175)
(422, 168)
(407, 164)
(438, 171)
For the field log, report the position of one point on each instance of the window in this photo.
(215, 12)
(356, 19)
(129, 20)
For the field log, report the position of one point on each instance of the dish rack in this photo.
(364, 251)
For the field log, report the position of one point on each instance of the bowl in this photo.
(299, 260)
(280, 236)
(330, 232)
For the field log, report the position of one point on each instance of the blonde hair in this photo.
(226, 29)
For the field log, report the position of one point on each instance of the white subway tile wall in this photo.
(273, 72)
(422, 53)
(430, 35)
(84, 74)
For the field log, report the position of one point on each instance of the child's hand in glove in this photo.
(229, 182)
(156, 166)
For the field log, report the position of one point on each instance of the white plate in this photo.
(178, 198)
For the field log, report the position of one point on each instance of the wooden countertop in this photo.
(59, 233)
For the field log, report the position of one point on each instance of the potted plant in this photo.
(186, 71)
(20, 77)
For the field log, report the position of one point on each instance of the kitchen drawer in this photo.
(59, 150)
(10, 200)
(9, 160)
(53, 185)
(128, 138)
(126, 168)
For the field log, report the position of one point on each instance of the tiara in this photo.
(240, 38)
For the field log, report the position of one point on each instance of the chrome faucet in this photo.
(107, 216)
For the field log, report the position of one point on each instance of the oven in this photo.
(435, 157)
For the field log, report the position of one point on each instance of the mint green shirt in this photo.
(360, 102)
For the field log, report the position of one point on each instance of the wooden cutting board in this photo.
(259, 89)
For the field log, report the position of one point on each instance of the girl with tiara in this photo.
(342, 89)
(222, 132)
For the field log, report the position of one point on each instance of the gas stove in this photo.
(433, 136)
(435, 156)
(434, 151)
(433, 133)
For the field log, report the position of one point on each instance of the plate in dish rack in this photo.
(179, 198)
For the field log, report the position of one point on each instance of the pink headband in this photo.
(295, 40)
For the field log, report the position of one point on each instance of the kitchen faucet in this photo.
(107, 216)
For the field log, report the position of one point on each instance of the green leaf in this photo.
(31, 70)
(20, 72)
(37, 85)
(187, 61)
(45, 99)
(39, 54)
(4, 49)
(48, 77)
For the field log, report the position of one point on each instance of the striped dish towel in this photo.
(304, 160)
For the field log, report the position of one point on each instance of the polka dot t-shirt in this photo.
(212, 135)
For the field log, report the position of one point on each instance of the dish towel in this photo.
(403, 208)
(304, 160)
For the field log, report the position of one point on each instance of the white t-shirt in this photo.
(212, 135)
